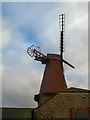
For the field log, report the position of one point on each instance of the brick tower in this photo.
(53, 79)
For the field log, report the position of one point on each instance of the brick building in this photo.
(9, 113)
(65, 104)
(55, 99)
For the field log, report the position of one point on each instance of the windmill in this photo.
(34, 51)
(62, 35)
(53, 79)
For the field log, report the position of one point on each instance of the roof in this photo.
(73, 89)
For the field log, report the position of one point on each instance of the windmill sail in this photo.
(62, 30)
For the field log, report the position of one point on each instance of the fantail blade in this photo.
(68, 63)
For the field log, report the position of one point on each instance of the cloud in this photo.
(20, 87)
(20, 82)
(6, 34)
(0, 34)
(45, 1)
(0, 55)
(0, 84)
(76, 79)
(25, 24)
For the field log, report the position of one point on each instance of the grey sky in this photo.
(21, 74)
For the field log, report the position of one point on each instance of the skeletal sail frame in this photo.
(34, 51)
(62, 31)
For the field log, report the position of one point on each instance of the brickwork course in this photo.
(55, 99)
(62, 104)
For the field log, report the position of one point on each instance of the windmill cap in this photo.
(53, 56)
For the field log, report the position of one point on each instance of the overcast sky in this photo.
(25, 24)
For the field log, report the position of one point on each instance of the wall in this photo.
(44, 98)
(62, 104)
(16, 113)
